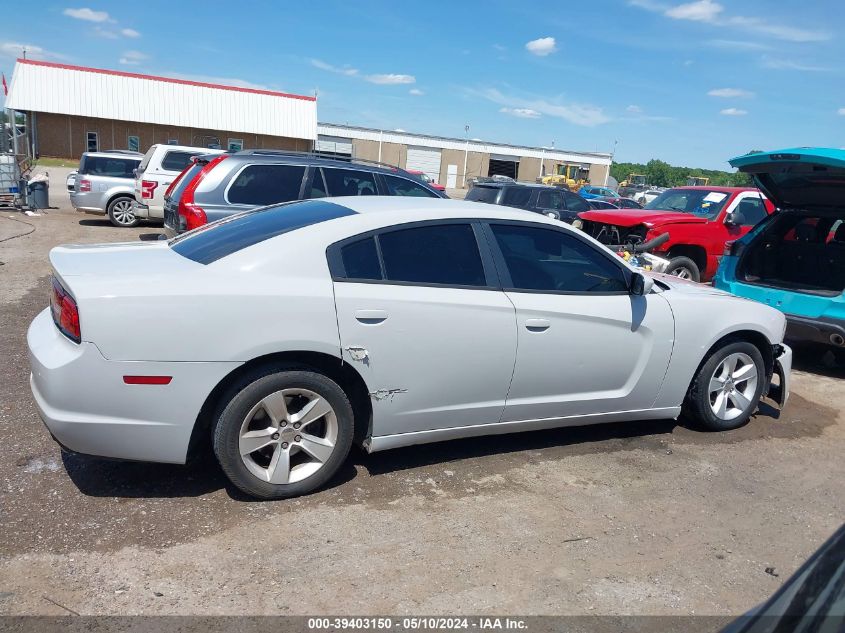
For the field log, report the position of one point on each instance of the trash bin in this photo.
(38, 191)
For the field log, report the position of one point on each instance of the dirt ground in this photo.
(639, 518)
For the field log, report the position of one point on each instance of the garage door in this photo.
(424, 159)
(503, 165)
(341, 147)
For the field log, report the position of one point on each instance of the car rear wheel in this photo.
(122, 212)
(284, 434)
(727, 387)
(684, 268)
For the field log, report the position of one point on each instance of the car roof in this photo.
(830, 156)
(498, 184)
(314, 158)
(442, 207)
(116, 153)
(714, 188)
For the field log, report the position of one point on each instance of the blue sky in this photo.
(692, 83)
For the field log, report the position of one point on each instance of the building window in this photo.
(173, 141)
(236, 144)
(93, 142)
(134, 144)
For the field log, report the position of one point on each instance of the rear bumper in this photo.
(820, 330)
(88, 408)
(148, 212)
(141, 211)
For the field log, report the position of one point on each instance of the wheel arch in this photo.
(346, 376)
(118, 194)
(696, 253)
(756, 338)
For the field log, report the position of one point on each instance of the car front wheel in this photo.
(727, 387)
(284, 434)
(684, 268)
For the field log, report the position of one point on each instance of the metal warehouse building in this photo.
(73, 109)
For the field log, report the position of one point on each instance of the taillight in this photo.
(194, 214)
(65, 312)
(84, 186)
(148, 188)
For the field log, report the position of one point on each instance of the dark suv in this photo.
(216, 186)
(551, 201)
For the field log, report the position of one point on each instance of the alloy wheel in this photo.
(732, 386)
(122, 212)
(682, 272)
(288, 436)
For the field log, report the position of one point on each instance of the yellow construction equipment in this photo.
(572, 176)
(697, 181)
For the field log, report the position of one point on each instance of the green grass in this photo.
(56, 162)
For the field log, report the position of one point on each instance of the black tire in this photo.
(684, 267)
(227, 428)
(119, 216)
(698, 402)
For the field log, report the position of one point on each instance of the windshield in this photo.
(701, 202)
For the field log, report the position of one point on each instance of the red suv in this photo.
(699, 221)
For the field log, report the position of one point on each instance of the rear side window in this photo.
(106, 166)
(349, 182)
(177, 161)
(441, 254)
(230, 235)
(266, 184)
(483, 194)
(403, 187)
(516, 197)
(360, 260)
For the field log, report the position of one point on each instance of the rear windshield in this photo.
(108, 166)
(177, 160)
(480, 193)
(230, 235)
(184, 180)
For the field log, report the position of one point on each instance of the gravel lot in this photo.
(645, 518)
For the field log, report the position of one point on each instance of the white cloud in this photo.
(575, 113)
(89, 15)
(788, 64)
(346, 70)
(521, 113)
(841, 112)
(129, 33)
(699, 11)
(713, 13)
(106, 33)
(738, 45)
(15, 51)
(635, 109)
(133, 58)
(416, 92)
(542, 46)
(391, 79)
(730, 93)
(733, 112)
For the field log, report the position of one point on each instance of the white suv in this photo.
(160, 166)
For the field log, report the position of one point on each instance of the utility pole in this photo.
(466, 154)
(612, 155)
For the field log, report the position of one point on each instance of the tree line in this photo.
(662, 174)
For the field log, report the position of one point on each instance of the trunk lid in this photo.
(799, 178)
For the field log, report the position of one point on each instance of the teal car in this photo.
(794, 260)
(589, 192)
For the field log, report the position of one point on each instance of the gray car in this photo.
(105, 185)
(217, 186)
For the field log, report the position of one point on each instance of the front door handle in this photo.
(537, 325)
(371, 317)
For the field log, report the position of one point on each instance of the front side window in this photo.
(349, 182)
(576, 203)
(547, 260)
(266, 184)
(176, 160)
(435, 254)
(404, 187)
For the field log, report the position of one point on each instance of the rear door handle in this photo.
(371, 317)
(537, 325)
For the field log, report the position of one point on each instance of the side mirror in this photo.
(641, 285)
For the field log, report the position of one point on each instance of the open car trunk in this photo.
(798, 251)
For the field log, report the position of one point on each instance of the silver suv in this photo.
(105, 184)
(214, 187)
